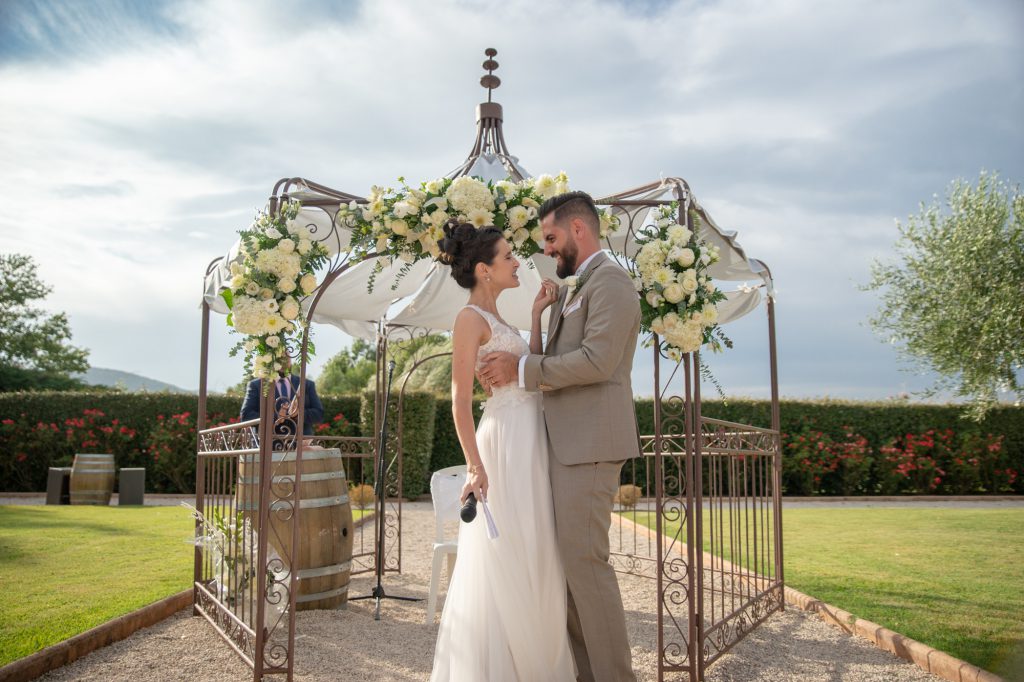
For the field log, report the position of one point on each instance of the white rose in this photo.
(286, 246)
(304, 246)
(705, 258)
(520, 236)
(270, 304)
(252, 288)
(286, 286)
(434, 186)
(266, 293)
(290, 308)
(273, 341)
(685, 257)
(307, 283)
(688, 285)
(674, 293)
(399, 227)
(654, 299)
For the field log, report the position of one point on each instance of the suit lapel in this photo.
(566, 298)
(563, 294)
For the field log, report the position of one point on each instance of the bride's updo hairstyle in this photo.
(463, 246)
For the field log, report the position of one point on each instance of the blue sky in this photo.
(136, 138)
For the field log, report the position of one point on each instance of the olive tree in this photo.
(953, 301)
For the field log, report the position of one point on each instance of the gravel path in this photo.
(349, 644)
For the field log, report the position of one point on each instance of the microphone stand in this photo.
(379, 507)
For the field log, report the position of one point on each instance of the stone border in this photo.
(62, 653)
(927, 658)
(923, 656)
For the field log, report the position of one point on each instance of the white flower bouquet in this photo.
(277, 268)
(677, 297)
(407, 224)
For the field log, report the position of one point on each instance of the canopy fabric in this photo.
(423, 295)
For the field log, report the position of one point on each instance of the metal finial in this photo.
(490, 81)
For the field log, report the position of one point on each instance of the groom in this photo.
(591, 423)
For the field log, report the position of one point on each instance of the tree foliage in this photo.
(350, 371)
(954, 303)
(34, 345)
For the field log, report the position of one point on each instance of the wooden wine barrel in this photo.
(92, 479)
(323, 559)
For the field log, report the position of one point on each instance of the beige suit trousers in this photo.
(583, 495)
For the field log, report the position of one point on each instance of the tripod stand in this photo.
(379, 507)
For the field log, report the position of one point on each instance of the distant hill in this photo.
(115, 378)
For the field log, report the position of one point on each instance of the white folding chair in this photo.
(445, 487)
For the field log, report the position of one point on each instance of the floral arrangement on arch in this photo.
(407, 224)
(277, 269)
(279, 257)
(678, 300)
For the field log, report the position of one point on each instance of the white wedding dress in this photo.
(504, 616)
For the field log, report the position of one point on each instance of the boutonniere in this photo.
(576, 282)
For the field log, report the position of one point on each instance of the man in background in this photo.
(286, 407)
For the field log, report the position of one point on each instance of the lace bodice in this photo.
(503, 338)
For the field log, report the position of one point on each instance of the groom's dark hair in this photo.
(572, 205)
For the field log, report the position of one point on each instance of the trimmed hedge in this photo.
(152, 430)
(418, 419)
(850, 447)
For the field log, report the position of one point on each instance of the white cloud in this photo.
(806, 126)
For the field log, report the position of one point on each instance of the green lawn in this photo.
(67, 569)
(951, 578)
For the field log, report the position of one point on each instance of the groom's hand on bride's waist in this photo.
(499, 368)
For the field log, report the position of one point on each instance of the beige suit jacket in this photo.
(584, 371)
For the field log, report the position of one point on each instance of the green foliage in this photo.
(417, 428)
(447, 451)
(351, 371)
(954, 303)
(152, 430)
(433, 375)
(30, 338)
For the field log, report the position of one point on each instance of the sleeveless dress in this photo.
(504, 616)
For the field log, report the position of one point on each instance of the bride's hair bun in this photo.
(463, 246)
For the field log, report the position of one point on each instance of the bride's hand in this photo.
(476, 484)
(547, 295)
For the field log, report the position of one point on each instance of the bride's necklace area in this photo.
(494, 314)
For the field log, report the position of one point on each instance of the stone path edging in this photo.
(71, 649)
(923, 656)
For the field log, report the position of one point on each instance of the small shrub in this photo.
(628, 496)
(362, 496)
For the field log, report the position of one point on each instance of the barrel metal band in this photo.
(290, 478)
(322, 595)
(322, 571)
(311, 503)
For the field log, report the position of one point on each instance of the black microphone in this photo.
(468, 511)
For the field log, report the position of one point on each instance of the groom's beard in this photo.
(567, 262)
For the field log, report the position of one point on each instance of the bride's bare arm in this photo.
(469, 333)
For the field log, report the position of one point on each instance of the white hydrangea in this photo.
(466, 194)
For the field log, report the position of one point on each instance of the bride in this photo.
(504, 618)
